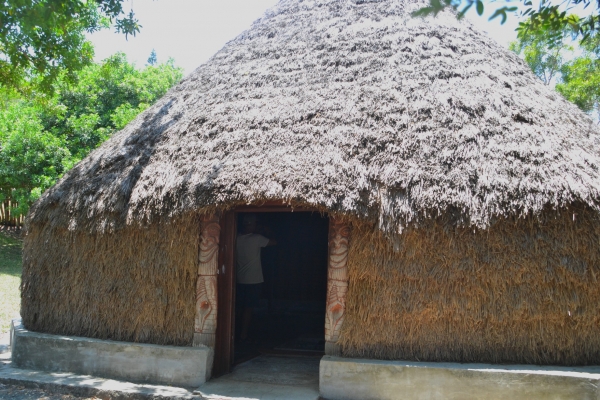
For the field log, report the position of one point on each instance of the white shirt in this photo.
(249, 268)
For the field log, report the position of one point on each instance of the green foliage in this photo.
(152, 60)
(42, 136)
(125, 113)
(549, 18)
(554, 21)
(580, 81)
(462, 7)
(106, 97)
(576, 72)
(30, 157)
(45, 39)
(542, 53)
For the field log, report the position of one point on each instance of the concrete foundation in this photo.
(349, 379)
(170, 365)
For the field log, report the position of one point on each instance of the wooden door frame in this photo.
(223, 356)
(224, 340)
(337, 281)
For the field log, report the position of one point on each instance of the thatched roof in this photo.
(346, 105)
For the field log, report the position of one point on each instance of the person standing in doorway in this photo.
(249, 273)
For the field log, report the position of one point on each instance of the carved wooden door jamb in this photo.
(205, 323)
(337, 283)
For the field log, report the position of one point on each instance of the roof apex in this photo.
(349, 106)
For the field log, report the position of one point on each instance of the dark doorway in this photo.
(289, 316)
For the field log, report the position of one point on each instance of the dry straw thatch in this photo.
(354, 108)
(135, 285)
(349, 105)
(523, 291)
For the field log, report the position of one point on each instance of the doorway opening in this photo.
(288, 316)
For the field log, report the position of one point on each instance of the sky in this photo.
(191, 31)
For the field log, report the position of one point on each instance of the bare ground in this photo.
(15, 392)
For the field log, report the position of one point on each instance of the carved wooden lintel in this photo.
(205, 323)
(337, 283)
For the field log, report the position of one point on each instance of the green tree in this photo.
(42, 136)
(542, 53)
(152, 60)
(575, 71)
(106, 97)
(550, 18)
(42, 39)
(580, 78)
(30, 158)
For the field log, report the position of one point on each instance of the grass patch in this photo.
(10, 279)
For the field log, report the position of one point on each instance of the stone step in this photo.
(87, 386)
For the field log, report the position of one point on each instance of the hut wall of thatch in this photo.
(354, 108)
(136, 284)
(523, 291)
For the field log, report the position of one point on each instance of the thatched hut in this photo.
(464, 191)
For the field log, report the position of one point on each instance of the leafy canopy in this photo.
(580, 78)
(542, 52)
(574, 69)
(550, 18)
(41, 136)
(30, 158)
(42, 39)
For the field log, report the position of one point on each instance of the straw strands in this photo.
(524, 291)
(348, 105)
(447, 153)
(136, 285)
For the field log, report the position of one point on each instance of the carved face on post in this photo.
(209, 246)
(337, 282)
(339, 236)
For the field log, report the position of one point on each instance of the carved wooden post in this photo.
(337, 283)
(205, 324)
